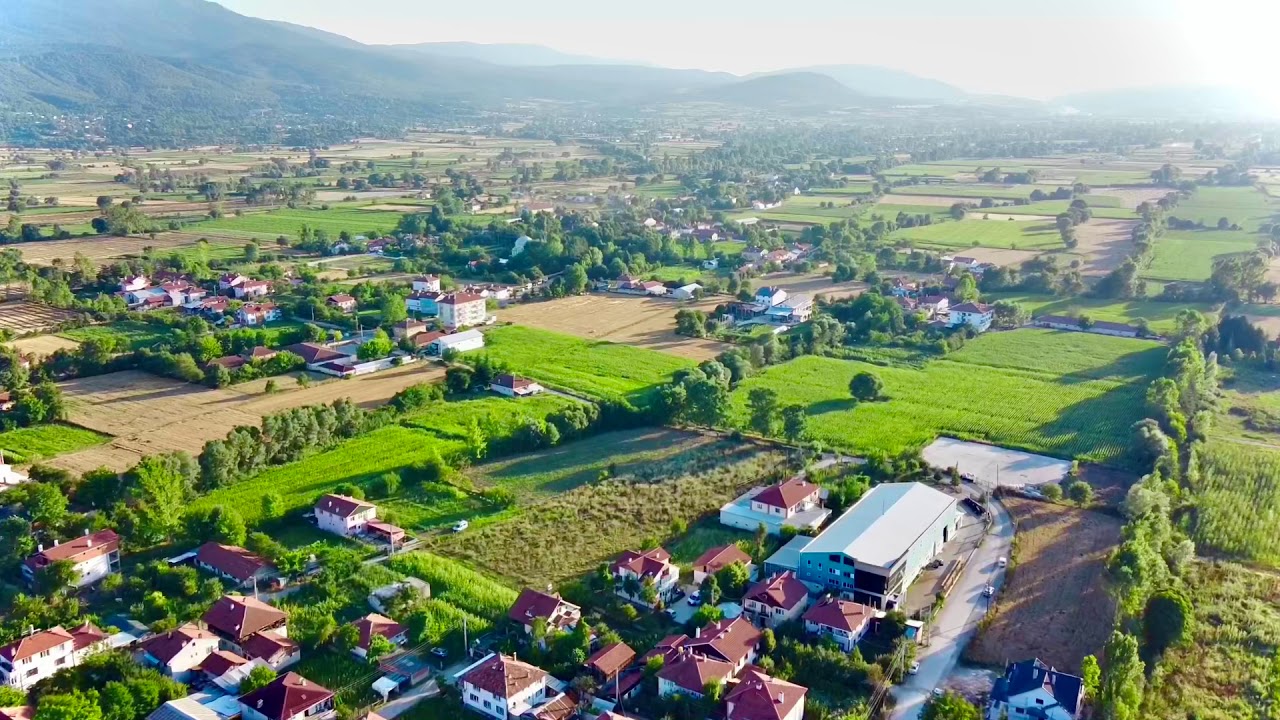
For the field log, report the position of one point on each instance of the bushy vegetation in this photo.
(457, 584)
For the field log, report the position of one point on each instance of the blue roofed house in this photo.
(874, 551)
(1032, 689)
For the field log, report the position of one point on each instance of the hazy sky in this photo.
(1032, 48)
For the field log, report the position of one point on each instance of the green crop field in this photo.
(1070, 395)
(41, 442)
(130, 334)
(1189, 254)
(1159, 314)
(1053, 208)
(457, 584)
(1100, 178)
(854, 188)
(977, 192)
(597, 369)
(289, 222)
(891, 210)
(1237, 496)
(1244, 206)
(985, 233)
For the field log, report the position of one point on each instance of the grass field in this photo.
(1228, 670)
(1016, 235)
(1252, 403)
(597, 369)
(977, 192)
(40, 442)
(1189, 254)
(1160, 314)
(1100, 206)
(1237, 496)
(457, 592)
(1069, 395)
(128, 334)
(289, 222)
(1244, 206)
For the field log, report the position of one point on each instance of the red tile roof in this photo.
(728, 640)
(840, 614)
(718, 558)
(231, 560)
(31, 645)
(77, 550)
(693, 672)
(340, 299)
(166, 646)
(26, 712)
(230, 362)
(534, 604)
(220, 661)
(426, 338)
(459, 298)
(669, 648)
(286, 696)
(786, 494)
(375, 624)
(504, 676)
(86, 635)
(611, 659)
(312, 353)
(268, 646)
(758, 696)
(341, 505)
(781, 591)
(511, 381)
(238, 617)
(981, 308)
(650, 563)
(563, 707)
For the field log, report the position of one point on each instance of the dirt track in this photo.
(146, 415)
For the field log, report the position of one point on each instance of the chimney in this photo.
(782, 698)
(55, 543)
(40, 548)
(86, 532)
(697, 633)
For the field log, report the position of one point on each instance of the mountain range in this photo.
(174, 56)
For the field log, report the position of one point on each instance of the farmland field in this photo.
(101, 248)
(41, 442)
(1252, 402)
(1057, 585)
(599, 369)
(289, 222)
(1237, 496)
(1096, 207)
(1189, 254)
(1068, 395)
(971, 191)
(129, 335)
(1244, 206)
(1160, 314)
(1224, 671)
(21, 317)
(647, 323)
(1017, 235)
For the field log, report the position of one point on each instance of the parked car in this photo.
(440, 652)
(937, 692)
(461, 525)
(695, 599)
(1003, 562)
(934, 564)
(968, 477)
(915, 668)
(989, 591)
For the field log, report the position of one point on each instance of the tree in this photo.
(957, 211)
(865, 387)
(214, 524)
(1052, 492)
(1120, 695)
(949, 706)
(259, 677)
(346, 637)
(794, 422)
(11, 696)
(72, 706)
(1091, 673)
(161, 494)
(768, 642)
(763, 404)
(575, 279)
(457, 379)
(392, 309)
(251, 252)
(57, 577)
(378, 346)
(46, 505)
(1080, 492)
(1167, 621)
(272, 506)
(311, 626)
(733, 578)
(710, 590)
(380, 646)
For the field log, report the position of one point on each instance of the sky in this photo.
(1029, 48)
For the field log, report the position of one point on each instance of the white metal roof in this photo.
(880, 528)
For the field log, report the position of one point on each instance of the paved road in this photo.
(409, 698)
(955, 625)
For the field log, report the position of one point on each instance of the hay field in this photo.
(641, 322)
(41, 345)
(146, 415)
(104, 248)
(22, 317)
(1103, 245)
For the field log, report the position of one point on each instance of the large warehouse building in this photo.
(874, 551)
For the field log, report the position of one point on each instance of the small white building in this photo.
(503, 687)
(794, 502)
(94, 555)
(426, 283)
(457, 342)
(344, 515)
(32, 658)
(459, 310)
(179, 652)
(687, 292)
(8, 476)
(513, 386)
(651, 566)
(976, 315)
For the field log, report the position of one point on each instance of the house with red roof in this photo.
(781, 598)
(757, 696)
(94, 555)
(251, 289)
(978, 316)
(225, 669)
(503, 687)
(236, 618)
(28, 712)
(344, 515)
(513, 386)
(690, 674)
(253, 314)
(795, 503)
(844, 621)
(38, 655)
(179, 652)
(235, 564)
(288, 697)
(461, 309)
(634, 571)
(341, 301)
(735, 642)
(718, 558)
(272, 649)
(558, 613)
(613, 667)
(375, 624)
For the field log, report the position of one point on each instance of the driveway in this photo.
(955, 625)
(402, 703)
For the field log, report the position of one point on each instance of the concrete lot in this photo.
(993, 465)
(922, 592)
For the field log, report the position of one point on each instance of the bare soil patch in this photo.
(108, 247)
(998, 256)
(1104, 244)
(147, 415)
(814, 284)
(643, 322)
(42, 345)
(1055, 604)
(26, 317)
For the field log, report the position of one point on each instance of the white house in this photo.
(251, 289)
(94, 555)
(513, 386)
(253, 314)
(844, 621)
(288, 697)
(343, 515)
(781, 598)
(794, 502)
(503, 687)
(133, 283)
(794, 310)
(179, 652)
(457, 342)
(758, 696)
(770, 296)
(1033, 689)
(461, 309)
(976, 315)
(426, 283)
(558, 613)
(687, 292)
(32, 658)
(651, 566)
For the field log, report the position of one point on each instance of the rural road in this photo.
(955, 625)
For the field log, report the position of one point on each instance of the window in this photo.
(32, 672)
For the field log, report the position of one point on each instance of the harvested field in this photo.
(147, 415)
(642, 322)
(814, 285)
(101, 248)
(27, 317)
(42, 345)
(939, 200)
(1104, 245)
(1056, 584)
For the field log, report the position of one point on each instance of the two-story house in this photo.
(757, 696)
(288, 697)
(94, 555)
(252, 289)
(633, 571)
(381, 625)
(461, 309)
(735, 642)
(688, 674)
(559, 614)
(32, 658)
(342, 302)
(975, 315)
(427, 283)
(254, 314)
(1033, 689)
(844, 621)
(423, 302)
(781, 598)
(236, 618)
(344, 515)
(503, 687)
(179, 652)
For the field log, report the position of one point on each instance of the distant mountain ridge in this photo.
(514, 54)
(794, 89)
(883, 82)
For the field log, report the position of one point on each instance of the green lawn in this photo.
(985, 233)
(1159, 314)
(130, 334)
(1189, 254)
(1244, 206)
(596, 369)
(41, 442)
(1101, 207)
(891, 210)
(854, 188)
(1058, 393)
(289, 222)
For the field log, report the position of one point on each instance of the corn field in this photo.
(1238, 501)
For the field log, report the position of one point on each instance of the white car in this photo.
(1003, 562)
(989, 591)
(915, 668)
(461, 525)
